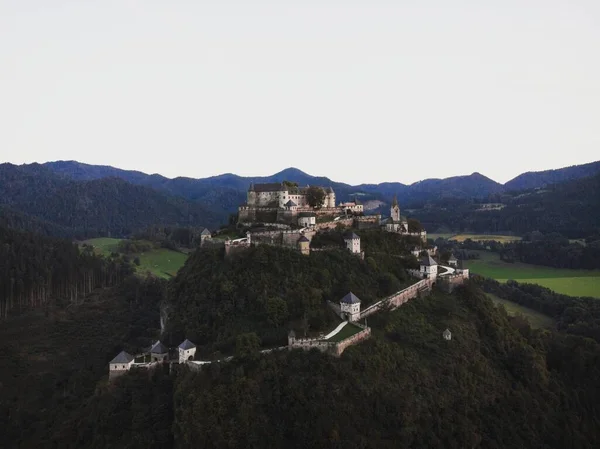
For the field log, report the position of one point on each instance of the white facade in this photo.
(187, 351)
(350, 307)
(185, 354)
(273, 195)
(353, 243)
(353, 310)
(120, 366)
(428, 268)
(306, 222)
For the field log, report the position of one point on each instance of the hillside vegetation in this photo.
(33, 195)
(405, 387)
(268, 291)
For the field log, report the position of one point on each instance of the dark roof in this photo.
(187, 344)
(329, 190)
(350, 235)
(307, 214)
(350, 298)
(269, 187)
(428, 261)
(205, 232)
(452, 257)
(158, 348)
(303, 239)
(290, 203)
(292, 334)
(123, 357)
(395, 201)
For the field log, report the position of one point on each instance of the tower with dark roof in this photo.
(187, 351)
(350, 307)
(429, 267)
(158, 352)
(304, 245)
(120, 364)
(352, 242)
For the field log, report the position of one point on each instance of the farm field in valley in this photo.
(161, 262)
(536, 319)
(475, 237)
(561, 280)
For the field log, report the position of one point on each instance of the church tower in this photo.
(395, 210)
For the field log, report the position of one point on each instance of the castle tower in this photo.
(329, 197)
(291, 337)
(352, 242)
(187, 351)
(350, 307)
(251, 199)
(395, 210)
(158, 352)
(120, 365)
(429, 268)
(304, 245)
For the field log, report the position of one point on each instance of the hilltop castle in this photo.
(285, 202)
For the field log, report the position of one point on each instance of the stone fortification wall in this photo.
(333, 224)
(331, 347)
(399, 298)
(367, 222)
(450, 282)
(266, 225)
(354, 339)
(288, 238)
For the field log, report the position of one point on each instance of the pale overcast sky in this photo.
(359, 91)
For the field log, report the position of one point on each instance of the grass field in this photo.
(347, 331)
(475, 237)
(161, 262)
(565, 281)
(536, 319)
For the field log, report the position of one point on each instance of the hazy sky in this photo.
(360, 91)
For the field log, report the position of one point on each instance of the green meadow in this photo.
(475, 237)
(536, 319)
(161, 262)
(561, 280)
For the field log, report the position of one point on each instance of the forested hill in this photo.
(533, 180)
(225, 192)
(42, 272)
(496, 385)
(37, 198)
(571, 209)
(268, 291)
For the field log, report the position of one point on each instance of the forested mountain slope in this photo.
(226, 191)
(571, 209)
(109, 206)
(43, 272)
(268, 291)
(497, 384)
(532, 180)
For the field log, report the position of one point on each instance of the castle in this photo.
(287, 203)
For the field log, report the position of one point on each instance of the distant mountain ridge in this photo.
(234, 186)
(66, 197)
(34, 197)
(533, 180)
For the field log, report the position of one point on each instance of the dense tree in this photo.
(315, 196)
(40, 271)
(267, 290)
